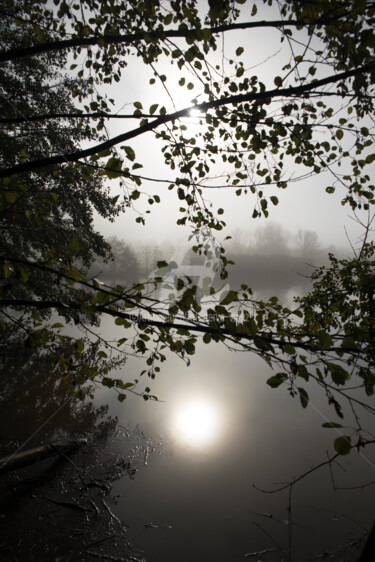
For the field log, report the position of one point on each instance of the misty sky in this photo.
(303, 205)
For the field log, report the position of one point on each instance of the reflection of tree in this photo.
(278, 273)
(34, 399)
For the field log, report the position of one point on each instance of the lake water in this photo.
(217, 435)
(225, 431)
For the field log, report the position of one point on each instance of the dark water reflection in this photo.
(35, 405)
(224, 431)
(201, 497)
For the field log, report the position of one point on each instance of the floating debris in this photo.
(147, 453)
(153, 526)
(260, 553)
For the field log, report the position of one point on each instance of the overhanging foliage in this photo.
(314, 118)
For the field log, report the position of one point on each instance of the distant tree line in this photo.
(274, 239)
(127, 264)
(271, 258)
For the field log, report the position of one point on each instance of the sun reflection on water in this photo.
(197, 423)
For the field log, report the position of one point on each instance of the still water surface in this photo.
(217, 435)
(226, 433)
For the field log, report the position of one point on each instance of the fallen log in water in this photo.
(17, 460)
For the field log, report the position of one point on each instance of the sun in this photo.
(195, 113)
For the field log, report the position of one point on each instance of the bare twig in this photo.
(70, 505)
(329, 461)
(100, 541)
(290, 526)
(112, 514)
(74, 466)
(278, 547)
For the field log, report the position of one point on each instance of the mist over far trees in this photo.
(270, 259)
(122, 266)
(307, 243)
(240, 127)
(273, 238)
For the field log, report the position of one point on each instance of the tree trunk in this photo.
(17, 460)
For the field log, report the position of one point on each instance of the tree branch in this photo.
(12, 54)
(291, 91)
(77, 115)
(313, 469)
(268, 338)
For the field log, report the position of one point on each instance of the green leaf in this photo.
(153, 108)
(342, 445)
(230, 297)
(24, 275)
(86, 30)
(325, 340)
(303, 372)
(168, 19)
(239, 51)
(135, 195)
(74, 246)
(130, 154)
(127, 385)
(207, 338)
(276, 380)
(10, 197)
(338, 409)
(288, 348)
(339, 374)
(303, 396)
(206, 34)
(114, 165)
(331, 425)
(252, 326)
(189, 347)
(179, 284)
